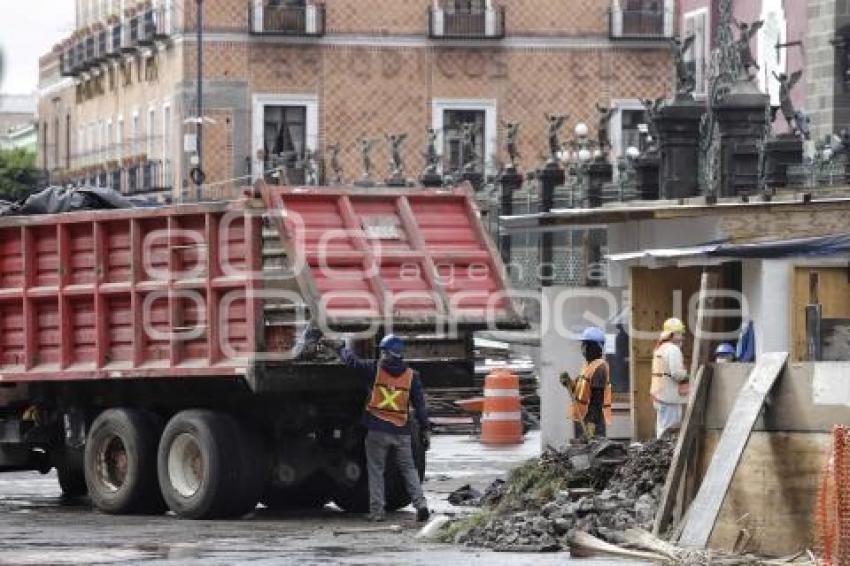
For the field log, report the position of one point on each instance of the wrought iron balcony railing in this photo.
(273, 19)
(642, 24)
(488, 23)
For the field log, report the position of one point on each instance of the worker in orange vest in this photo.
(670, 386)
(591, 391)
(392, 387)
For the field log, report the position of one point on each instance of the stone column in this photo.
(510, 180)
(780, 152)
(678, 132)
(646, 168)
(742, 117)
(550, 176)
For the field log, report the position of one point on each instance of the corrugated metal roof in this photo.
(409, 257)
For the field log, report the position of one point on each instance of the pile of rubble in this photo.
(600, 489)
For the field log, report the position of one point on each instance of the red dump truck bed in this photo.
(182, 291)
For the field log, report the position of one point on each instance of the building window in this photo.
(631, 119)
(44, 147)
(67, 141)
(109, 145)
(134, 133)
(56, 132)
(696, 23)
(119, 137)
(624, 125)
(284, 138)
(284, 127)
(448, 118)
(151, 132)
(456, 153)
(166, 145)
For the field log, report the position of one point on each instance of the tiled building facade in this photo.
(283, 76)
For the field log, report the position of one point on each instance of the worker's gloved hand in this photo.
(332, 343)
(565, 379)
(425, 438)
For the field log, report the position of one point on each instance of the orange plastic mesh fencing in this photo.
(832, 523)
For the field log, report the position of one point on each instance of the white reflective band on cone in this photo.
(501, 392)
(506, 416)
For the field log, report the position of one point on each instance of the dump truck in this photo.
(152, 355)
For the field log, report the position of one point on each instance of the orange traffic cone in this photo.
(501, 421)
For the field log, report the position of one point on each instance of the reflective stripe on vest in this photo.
(582, 388)
(390, 398)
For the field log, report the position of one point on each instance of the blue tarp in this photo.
(816, 246)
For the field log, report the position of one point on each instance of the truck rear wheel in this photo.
(208, 466)
(354, 497)
(120, 462)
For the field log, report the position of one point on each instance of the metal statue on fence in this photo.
(308, 163)
(746, 32)
(652, 109)
(432, 157)
(396, 161)
(336, 165)
(468, 150)
(556, 122)
(685, 79)
(511, 133)
(726, 68)
(603, 126)
(792, 116)
(366, 146)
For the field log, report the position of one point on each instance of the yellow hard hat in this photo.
(673, 325)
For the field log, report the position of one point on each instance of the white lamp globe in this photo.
(584, 155)
(581, 130)
(632, 152)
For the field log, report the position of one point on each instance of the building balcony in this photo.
(68, 61)
(282, 19)
(488, 23)
(102, 45)
(642, 24)
(113, 48)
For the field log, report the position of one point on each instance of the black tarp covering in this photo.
(54, 200)
(815, 246)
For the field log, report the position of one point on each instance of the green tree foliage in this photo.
(18, 174)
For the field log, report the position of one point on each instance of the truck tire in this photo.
(355, 498)
(208, 466)
(120, 462)
(70, 471)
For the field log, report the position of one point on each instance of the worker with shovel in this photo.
(591, 391)
(392, 387)
(670, 386)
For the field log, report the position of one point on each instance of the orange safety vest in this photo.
(581, 392)
(390, 397)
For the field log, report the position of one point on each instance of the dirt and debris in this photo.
(601, 488)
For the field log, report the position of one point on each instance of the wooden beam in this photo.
(684, 445)
(706, 507)
(814, 313)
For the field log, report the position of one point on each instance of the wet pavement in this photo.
(37, 527)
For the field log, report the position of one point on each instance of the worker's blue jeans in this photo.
(378, 444)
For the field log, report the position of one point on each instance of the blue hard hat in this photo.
(725, 349)
(593, 334)
(393, 345)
